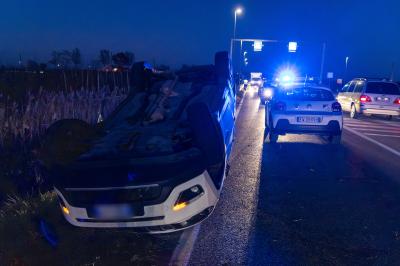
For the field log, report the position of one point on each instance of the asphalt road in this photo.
(305, 202)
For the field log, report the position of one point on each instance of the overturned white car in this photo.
(158, 163)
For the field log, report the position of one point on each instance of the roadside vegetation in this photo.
(32, 97)
(33, 232)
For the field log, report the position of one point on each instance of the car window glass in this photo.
(306, 94)
(359, 86)
(351, 88)
(345, 88)
(383, 88)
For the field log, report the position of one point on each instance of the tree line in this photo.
(72, 59)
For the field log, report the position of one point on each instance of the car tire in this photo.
(335, 139)
(273, 137)
(389, 117)
(353, 112)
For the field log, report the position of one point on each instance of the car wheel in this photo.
(353, 112)
(273, 137)
(389, 117)
(336, 139)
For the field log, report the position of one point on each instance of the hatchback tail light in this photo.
(280, 106)
(336, 107)
(365, 99)
(397, 101)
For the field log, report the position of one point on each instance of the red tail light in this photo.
(397, 101)
(365, 99)
(280, 106)
(336, 107)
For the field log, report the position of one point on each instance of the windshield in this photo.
(306, 94)
(383, 88)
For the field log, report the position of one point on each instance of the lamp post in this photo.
(347, 63)
(238, 11)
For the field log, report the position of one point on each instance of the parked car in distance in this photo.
(256, 79)
(266, 92)
(304, 110)
(370, 97)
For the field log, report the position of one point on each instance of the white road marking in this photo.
(381, 135)
(372, 126)
(373, 141)
(377, 130)
(394, 122)
(356, 122)
(183, 250)
(240, 105)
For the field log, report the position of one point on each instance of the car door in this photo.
(343, 96)
(356, 94)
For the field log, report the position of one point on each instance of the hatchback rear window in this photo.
(383, 88)
(306, 94)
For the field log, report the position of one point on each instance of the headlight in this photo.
(268, 93)
(187, 196)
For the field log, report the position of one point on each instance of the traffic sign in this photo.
(292, 47)
(258, 45)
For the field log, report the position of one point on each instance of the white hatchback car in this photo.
(304, 110)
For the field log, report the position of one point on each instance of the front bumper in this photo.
(158, 218)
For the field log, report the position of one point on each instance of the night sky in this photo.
(177, 32)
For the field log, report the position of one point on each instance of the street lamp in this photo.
(347, 63)
(238, 11)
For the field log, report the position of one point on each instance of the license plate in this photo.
(309, 119)
(118, 211)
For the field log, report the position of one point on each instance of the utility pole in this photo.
(238, 11)
(347, 64)
(322, 62)
(393, 70)
(20, 61)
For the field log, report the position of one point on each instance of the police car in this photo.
(304, 110)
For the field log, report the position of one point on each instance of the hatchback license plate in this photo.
(309, 119)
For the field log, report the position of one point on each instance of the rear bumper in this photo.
(158, 218)
(378, 111)
(283, 126)
(286, 122)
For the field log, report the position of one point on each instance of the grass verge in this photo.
(22, 241)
